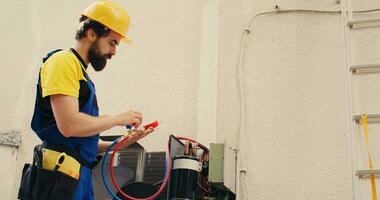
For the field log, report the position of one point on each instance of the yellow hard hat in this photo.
(110, 15)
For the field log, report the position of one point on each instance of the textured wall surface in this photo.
(294, 141)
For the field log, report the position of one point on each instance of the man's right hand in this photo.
(129, 117)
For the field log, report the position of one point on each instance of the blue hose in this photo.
(103, 170)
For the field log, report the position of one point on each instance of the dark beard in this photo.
(98, 61)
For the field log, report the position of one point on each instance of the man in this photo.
(66, 114)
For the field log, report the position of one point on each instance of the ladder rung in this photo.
(365, 68)
(367, 172)
(364, 23)
(371, 118)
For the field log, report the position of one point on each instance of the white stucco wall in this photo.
(295, 140)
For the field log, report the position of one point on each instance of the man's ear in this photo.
(91, 35)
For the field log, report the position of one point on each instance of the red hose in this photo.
(117, 186)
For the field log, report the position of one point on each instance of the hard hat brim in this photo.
(126, 39)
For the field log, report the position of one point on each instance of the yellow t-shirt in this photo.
(61, 74)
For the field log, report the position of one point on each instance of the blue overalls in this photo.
(87, 146)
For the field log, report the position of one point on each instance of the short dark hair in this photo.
(99, 29)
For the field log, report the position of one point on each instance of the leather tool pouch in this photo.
(38, 183)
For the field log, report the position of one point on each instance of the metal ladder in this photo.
(354, 27)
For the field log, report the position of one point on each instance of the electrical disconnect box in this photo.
(222, 166)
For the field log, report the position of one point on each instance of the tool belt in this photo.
(73, 153)
(60, 161)
(54, 173)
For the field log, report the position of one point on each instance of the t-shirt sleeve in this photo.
(59, 75)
